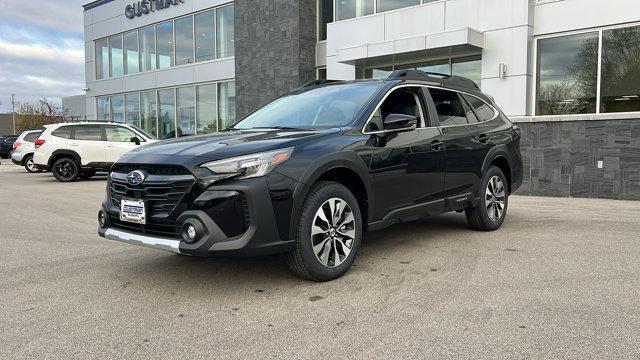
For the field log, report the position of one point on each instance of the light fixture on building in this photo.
(502, 70)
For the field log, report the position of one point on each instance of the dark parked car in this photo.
(310, 172)
(6, 144)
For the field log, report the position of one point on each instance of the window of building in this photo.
(207, 109)
(386, 5)
(102, 59)
(205, 36)
(567, 74)
(186, 111)
(117, 58)
(449, 107)
(148, 111)
(164, 44)
(88, 132)
(132, 109)
(167, 113)
(104, 108)
(184, 40)
(325, 16)
(225, 32)
(147, 38)
(620, 85)
(348, 9)
(118, 134)
(468, 66)
(131, 53)
(226, 103)
(117, 108)
(321, 73)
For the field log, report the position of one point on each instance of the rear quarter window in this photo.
(32, 137)
(62, 132)
(482, 109)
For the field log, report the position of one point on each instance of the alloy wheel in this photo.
(31, 166)
(65, 169)
(333, 232)
(495, 197)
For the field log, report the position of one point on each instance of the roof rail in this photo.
(318, 82)
(444, 79)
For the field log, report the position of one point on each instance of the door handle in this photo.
(436, 144)
(110, 145)
(73, 144)
(483, 138)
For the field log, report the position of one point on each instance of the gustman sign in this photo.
(144, 7)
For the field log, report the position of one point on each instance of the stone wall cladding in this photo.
(561, 158)
(274, 49)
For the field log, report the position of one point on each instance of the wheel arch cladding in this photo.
(350, 172)
(58, 154)
(502, 163)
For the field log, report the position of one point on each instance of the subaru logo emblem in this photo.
(136, 177)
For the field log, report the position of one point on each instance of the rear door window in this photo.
(62, 132)
(449, 107)
(88, 132)
(481, 108)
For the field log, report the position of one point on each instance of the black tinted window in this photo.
(88, 132)
(482, 109)
(449, 107)
(10, 140)
(471, 117)
(62, 132)
(32, 137)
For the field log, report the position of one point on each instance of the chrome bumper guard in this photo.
(143, 240)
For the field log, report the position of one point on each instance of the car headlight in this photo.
(250, 166)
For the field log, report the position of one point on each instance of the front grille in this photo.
(165, 230)
(162, 193)
(151, 169)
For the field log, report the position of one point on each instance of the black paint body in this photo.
(396, 177)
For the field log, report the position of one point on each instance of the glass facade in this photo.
(468, 66)
(387, 5)
(184, 40)
(325, 16)
(205, 36)
(568, 78)
(224, 31)
(131, 53)
(167, 44)
(348, 9)
(173, 112)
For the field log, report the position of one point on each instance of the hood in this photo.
(195, 150)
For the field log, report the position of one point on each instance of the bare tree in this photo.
(34, 116)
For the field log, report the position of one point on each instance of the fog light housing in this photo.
(192, 231)
(102, 219)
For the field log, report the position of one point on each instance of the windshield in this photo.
(327, 106)
(144, 133)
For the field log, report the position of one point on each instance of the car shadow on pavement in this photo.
(271, 271)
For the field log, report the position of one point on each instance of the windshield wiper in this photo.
(275, 128)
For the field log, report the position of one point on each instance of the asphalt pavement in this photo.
(560, 279)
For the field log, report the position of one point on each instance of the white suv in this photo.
(79, 150)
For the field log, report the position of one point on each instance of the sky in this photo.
(41, 50)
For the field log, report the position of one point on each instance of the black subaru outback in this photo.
(308, 173)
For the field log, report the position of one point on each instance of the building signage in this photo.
(144, 7)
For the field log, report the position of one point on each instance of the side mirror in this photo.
(400, 123)
(135, 140)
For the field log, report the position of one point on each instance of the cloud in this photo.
(41, 50)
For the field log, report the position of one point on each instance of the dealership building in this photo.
(566, 71)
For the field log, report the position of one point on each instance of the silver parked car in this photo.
(23, 149)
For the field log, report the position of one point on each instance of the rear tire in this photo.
(494, 200)
(66, 169)
(329, 233)
(30, 166)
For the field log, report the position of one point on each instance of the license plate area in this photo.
(134, 211)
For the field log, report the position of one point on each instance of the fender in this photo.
(64, 152)
(346, 159)
(498, 151)
(25, 156)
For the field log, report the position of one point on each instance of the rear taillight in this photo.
(16, 145)
(38, 143)
(517, 129)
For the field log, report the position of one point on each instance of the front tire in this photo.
(494, 200)
(328, 235)
(66, 169)
(30, 166)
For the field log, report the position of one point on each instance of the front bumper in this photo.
(261, 236)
